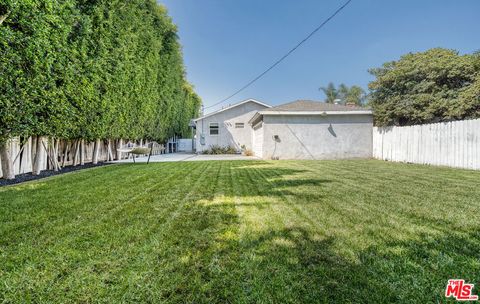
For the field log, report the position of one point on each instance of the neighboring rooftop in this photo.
(310, 105)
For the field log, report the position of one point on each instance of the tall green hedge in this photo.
(92, 69)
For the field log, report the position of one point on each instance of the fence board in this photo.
(453, 144)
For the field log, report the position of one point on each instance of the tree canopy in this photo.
(92, 69)
(426, 87)
(344, 94)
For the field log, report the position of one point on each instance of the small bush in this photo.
(248, 152)
(230, 150)
(216, 149)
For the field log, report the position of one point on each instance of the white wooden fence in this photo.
(453, 144)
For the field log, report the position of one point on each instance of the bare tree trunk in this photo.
(51, 150)
(7, 164)
(56, 145)
(48, 151)
(109, 150)
(65, 153)
(76, 146)
(82, 152)
(120, 144)
(39, 156)
(96, 148)
(19, 153)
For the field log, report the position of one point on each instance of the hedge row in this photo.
(92, 69)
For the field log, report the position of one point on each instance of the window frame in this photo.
(239, 123)
(210, 128)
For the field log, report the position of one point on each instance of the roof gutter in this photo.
(259, 115)
(232, 106)
(322, 113)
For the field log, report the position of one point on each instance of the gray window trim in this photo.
(210, 128)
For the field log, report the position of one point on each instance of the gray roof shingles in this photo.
(310, 105)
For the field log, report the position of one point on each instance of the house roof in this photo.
(233, 106)
(310, 107)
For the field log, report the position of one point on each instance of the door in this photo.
(258, 140)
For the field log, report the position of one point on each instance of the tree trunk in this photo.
(56, 147)
(82, 152)
(76, 147)
(7, 164)
(109, 150)
(65, 153)
(48, 151)
(120, 144)
(96, 148)
(39, 156)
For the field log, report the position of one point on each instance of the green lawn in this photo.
(241, 232)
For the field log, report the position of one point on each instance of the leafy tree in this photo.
(425, 87)
(468, 102)
(342, 92)
(330, 92)
(354, 95)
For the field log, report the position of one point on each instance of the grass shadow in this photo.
(292, 266)
(175, 234)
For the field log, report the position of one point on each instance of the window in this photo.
(214, 128)
(239, 125)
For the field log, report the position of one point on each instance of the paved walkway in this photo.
(173, 157)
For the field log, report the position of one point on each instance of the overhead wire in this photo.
(283, 57)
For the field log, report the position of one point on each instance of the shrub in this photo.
(248, 152)
(230, 150)
(216, 149)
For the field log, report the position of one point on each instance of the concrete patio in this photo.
(176, 157)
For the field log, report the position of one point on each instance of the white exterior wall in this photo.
(228, 134)
(185, 145)
(258, 140)
(317, 137)
(453, 144)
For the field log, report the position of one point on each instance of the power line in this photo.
(284, 56)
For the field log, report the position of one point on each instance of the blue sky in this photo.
(226, 43)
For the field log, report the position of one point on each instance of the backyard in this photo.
(241, 232)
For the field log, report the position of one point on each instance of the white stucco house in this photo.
(302, 129)
(228, 126)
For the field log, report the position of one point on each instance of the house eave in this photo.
(361, 112)
(259, 115)
(233, 106)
